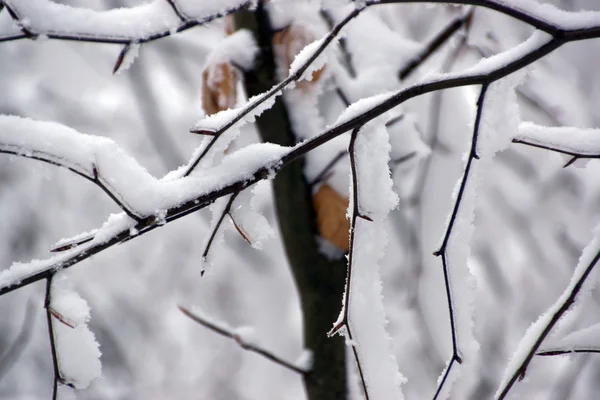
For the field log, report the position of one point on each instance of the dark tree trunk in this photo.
(320, 282)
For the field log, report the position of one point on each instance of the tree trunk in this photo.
(320, 282)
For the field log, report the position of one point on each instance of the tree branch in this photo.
(559, 308)
(240, 340)
(442, 251)
(344, 323)
(435, 43)
(94, 37)
(95, 178)
(513, 61)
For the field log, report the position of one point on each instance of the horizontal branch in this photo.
(119, 33)
(558, 352)
(558, 23)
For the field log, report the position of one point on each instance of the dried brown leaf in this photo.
(288, 42)
(330, 208)
(219, 87)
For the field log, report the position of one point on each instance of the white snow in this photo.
(238, 48)
(254, 225)
(125, 178)
(569, 139)
(304, 56)
(583, 339)
(306, 360)
(536, 329)
(47, 17)
(367, 318)
(77, 351)
(131, 52)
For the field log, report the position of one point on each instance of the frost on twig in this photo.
(362, 318)
(250, 224)
(575, 142)
(539, 330)
(585, 340)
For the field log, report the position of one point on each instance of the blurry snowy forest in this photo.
(533, 213)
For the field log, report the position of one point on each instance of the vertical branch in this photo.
(345, 321)
(218, 225)
(442, 251)
(57, 377)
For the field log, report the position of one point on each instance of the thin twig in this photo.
(435, 43)
(559, 352)
(18, 20)
(57, 376)
(343, 45)
(239, 340)
(442, 251)
(177, 11)
(218, 225)
(575, 155)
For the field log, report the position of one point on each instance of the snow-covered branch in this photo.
(576, 142)
(140, 24)
(538, 331)
(362, 319)
(179, 197)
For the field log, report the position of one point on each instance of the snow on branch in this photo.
(576, 142)
(140, 24)
(254, 163)
(585, 340)
(545, 17)
(75, 351)
(244, 337)
(539, 330)
(362, 319)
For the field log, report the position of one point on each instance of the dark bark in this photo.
(320, 282)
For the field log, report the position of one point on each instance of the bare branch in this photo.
(436, 42)
(240, 340)
(177, 11)
(442, 251)
(558, 352)
(57, 375)
(217, 226)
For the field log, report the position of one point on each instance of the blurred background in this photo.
(533, 217)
